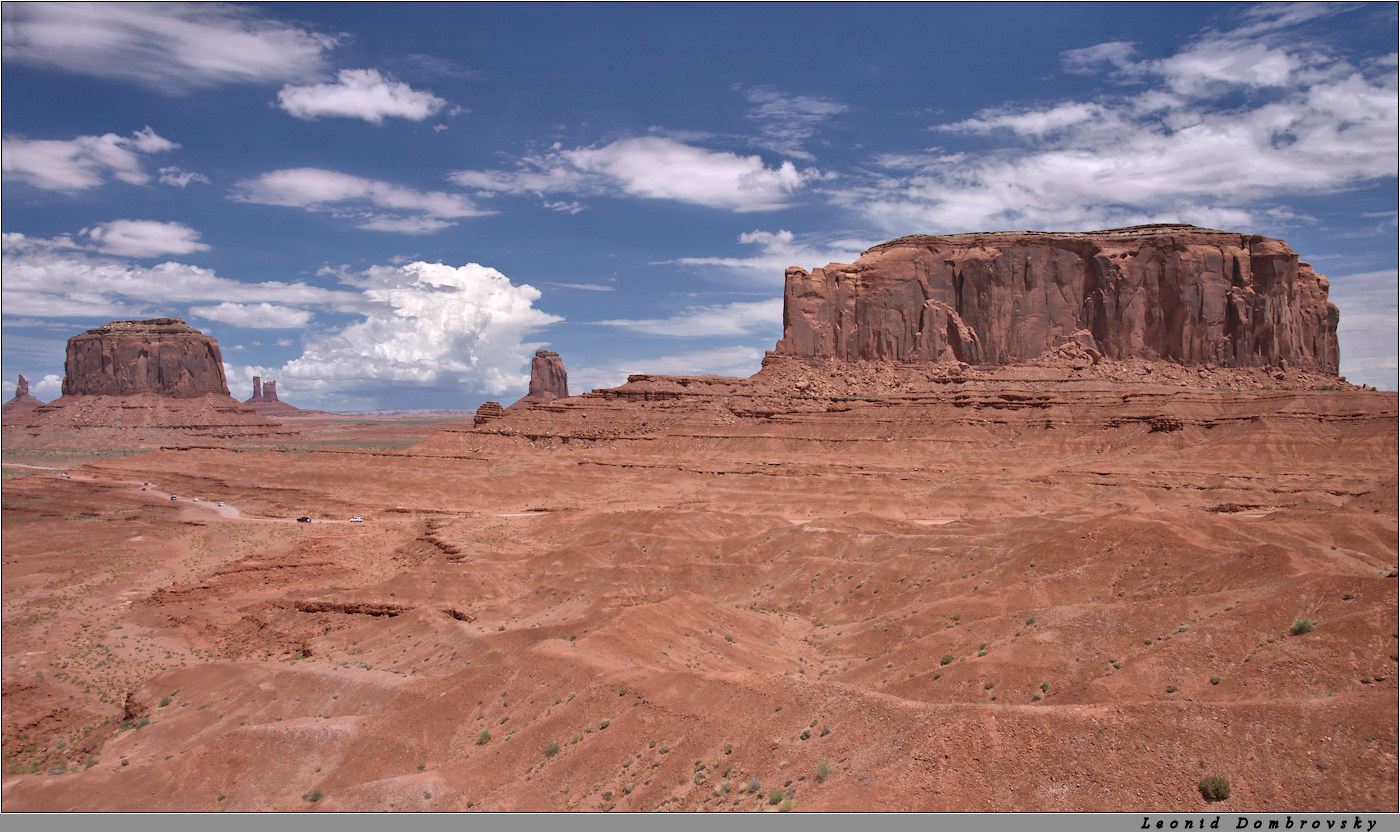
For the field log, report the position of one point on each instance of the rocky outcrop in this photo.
(265, 402)
(22, 403)
(487, 412)
(131, 383)
(548, 380)
(161, 356)
(1178, 293)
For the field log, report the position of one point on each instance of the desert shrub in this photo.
(1044, 687)
(1215, 680)
(1171, 688)
(947, 659)
(826, 729)
(1030, 621)
(823, 769)
(806, 734)
(484, 737)
(605, 723)
(164, 700)
(314, 795)
(753, 786)
(1215, 788)
(775, 797)
(1301, 626)
(551, 749)
(665, 749)
(989, 685)
(789, 805)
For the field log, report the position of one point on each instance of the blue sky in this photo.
(393, 205)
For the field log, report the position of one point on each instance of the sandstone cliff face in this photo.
(1190, 295)
(548, 381)
(161, 356)
(265, 402)
(547, 377)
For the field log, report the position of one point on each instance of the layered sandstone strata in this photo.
(161, 356)
(1176, 293)
(265, 402)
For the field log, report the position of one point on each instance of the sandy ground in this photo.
(986, 600)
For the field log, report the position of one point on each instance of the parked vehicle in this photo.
(357, 519)
(303, 519)
(172, 496)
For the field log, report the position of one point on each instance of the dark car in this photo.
(303, 519)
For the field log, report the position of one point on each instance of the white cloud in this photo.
(587, 287)
(652, 167)
(81, 163)
(46, 277)
(359, 93)
(738, 361)
(143, 238)
(181, 178)
(726, 319)
(1368, 325)
(778, 250)
(1296, 121)
(428, 323)
(377, 206)
(46, 388)
(170, 47)
(787, 122)
(254, 315)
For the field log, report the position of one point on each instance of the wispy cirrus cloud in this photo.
(372, 204)
(649, 167)
(254, 315)
(715, 320)
(169, 47)
(787, 122)
(81, 163)
(362, 94)
(1213, 134)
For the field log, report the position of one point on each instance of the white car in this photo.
(357, 519)
(196, 499)
(221, 504)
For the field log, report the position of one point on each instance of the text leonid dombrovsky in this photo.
(1241, 822)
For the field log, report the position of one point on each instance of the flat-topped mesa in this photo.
(161, 356)
(1194, 296)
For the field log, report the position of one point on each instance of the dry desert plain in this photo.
(1026, 589)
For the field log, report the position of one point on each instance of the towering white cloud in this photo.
(359, 93)
(169, 47)
(81, 163)
(428, 323)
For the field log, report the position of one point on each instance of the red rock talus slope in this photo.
(134, 382)
(548, 380)
(22, 402)
(886, 588)
(1179, 293)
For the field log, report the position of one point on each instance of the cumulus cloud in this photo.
(181, 178)
(168, 47)
(1208, 135)
(778, 250)
(81, 163)
(652, 167)
(788, 121)
(143, 238)
(428, 323)
(375, 205)
(48, 387)
(359, 93)
(254, 315)
(53, 277)
(725, 319)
